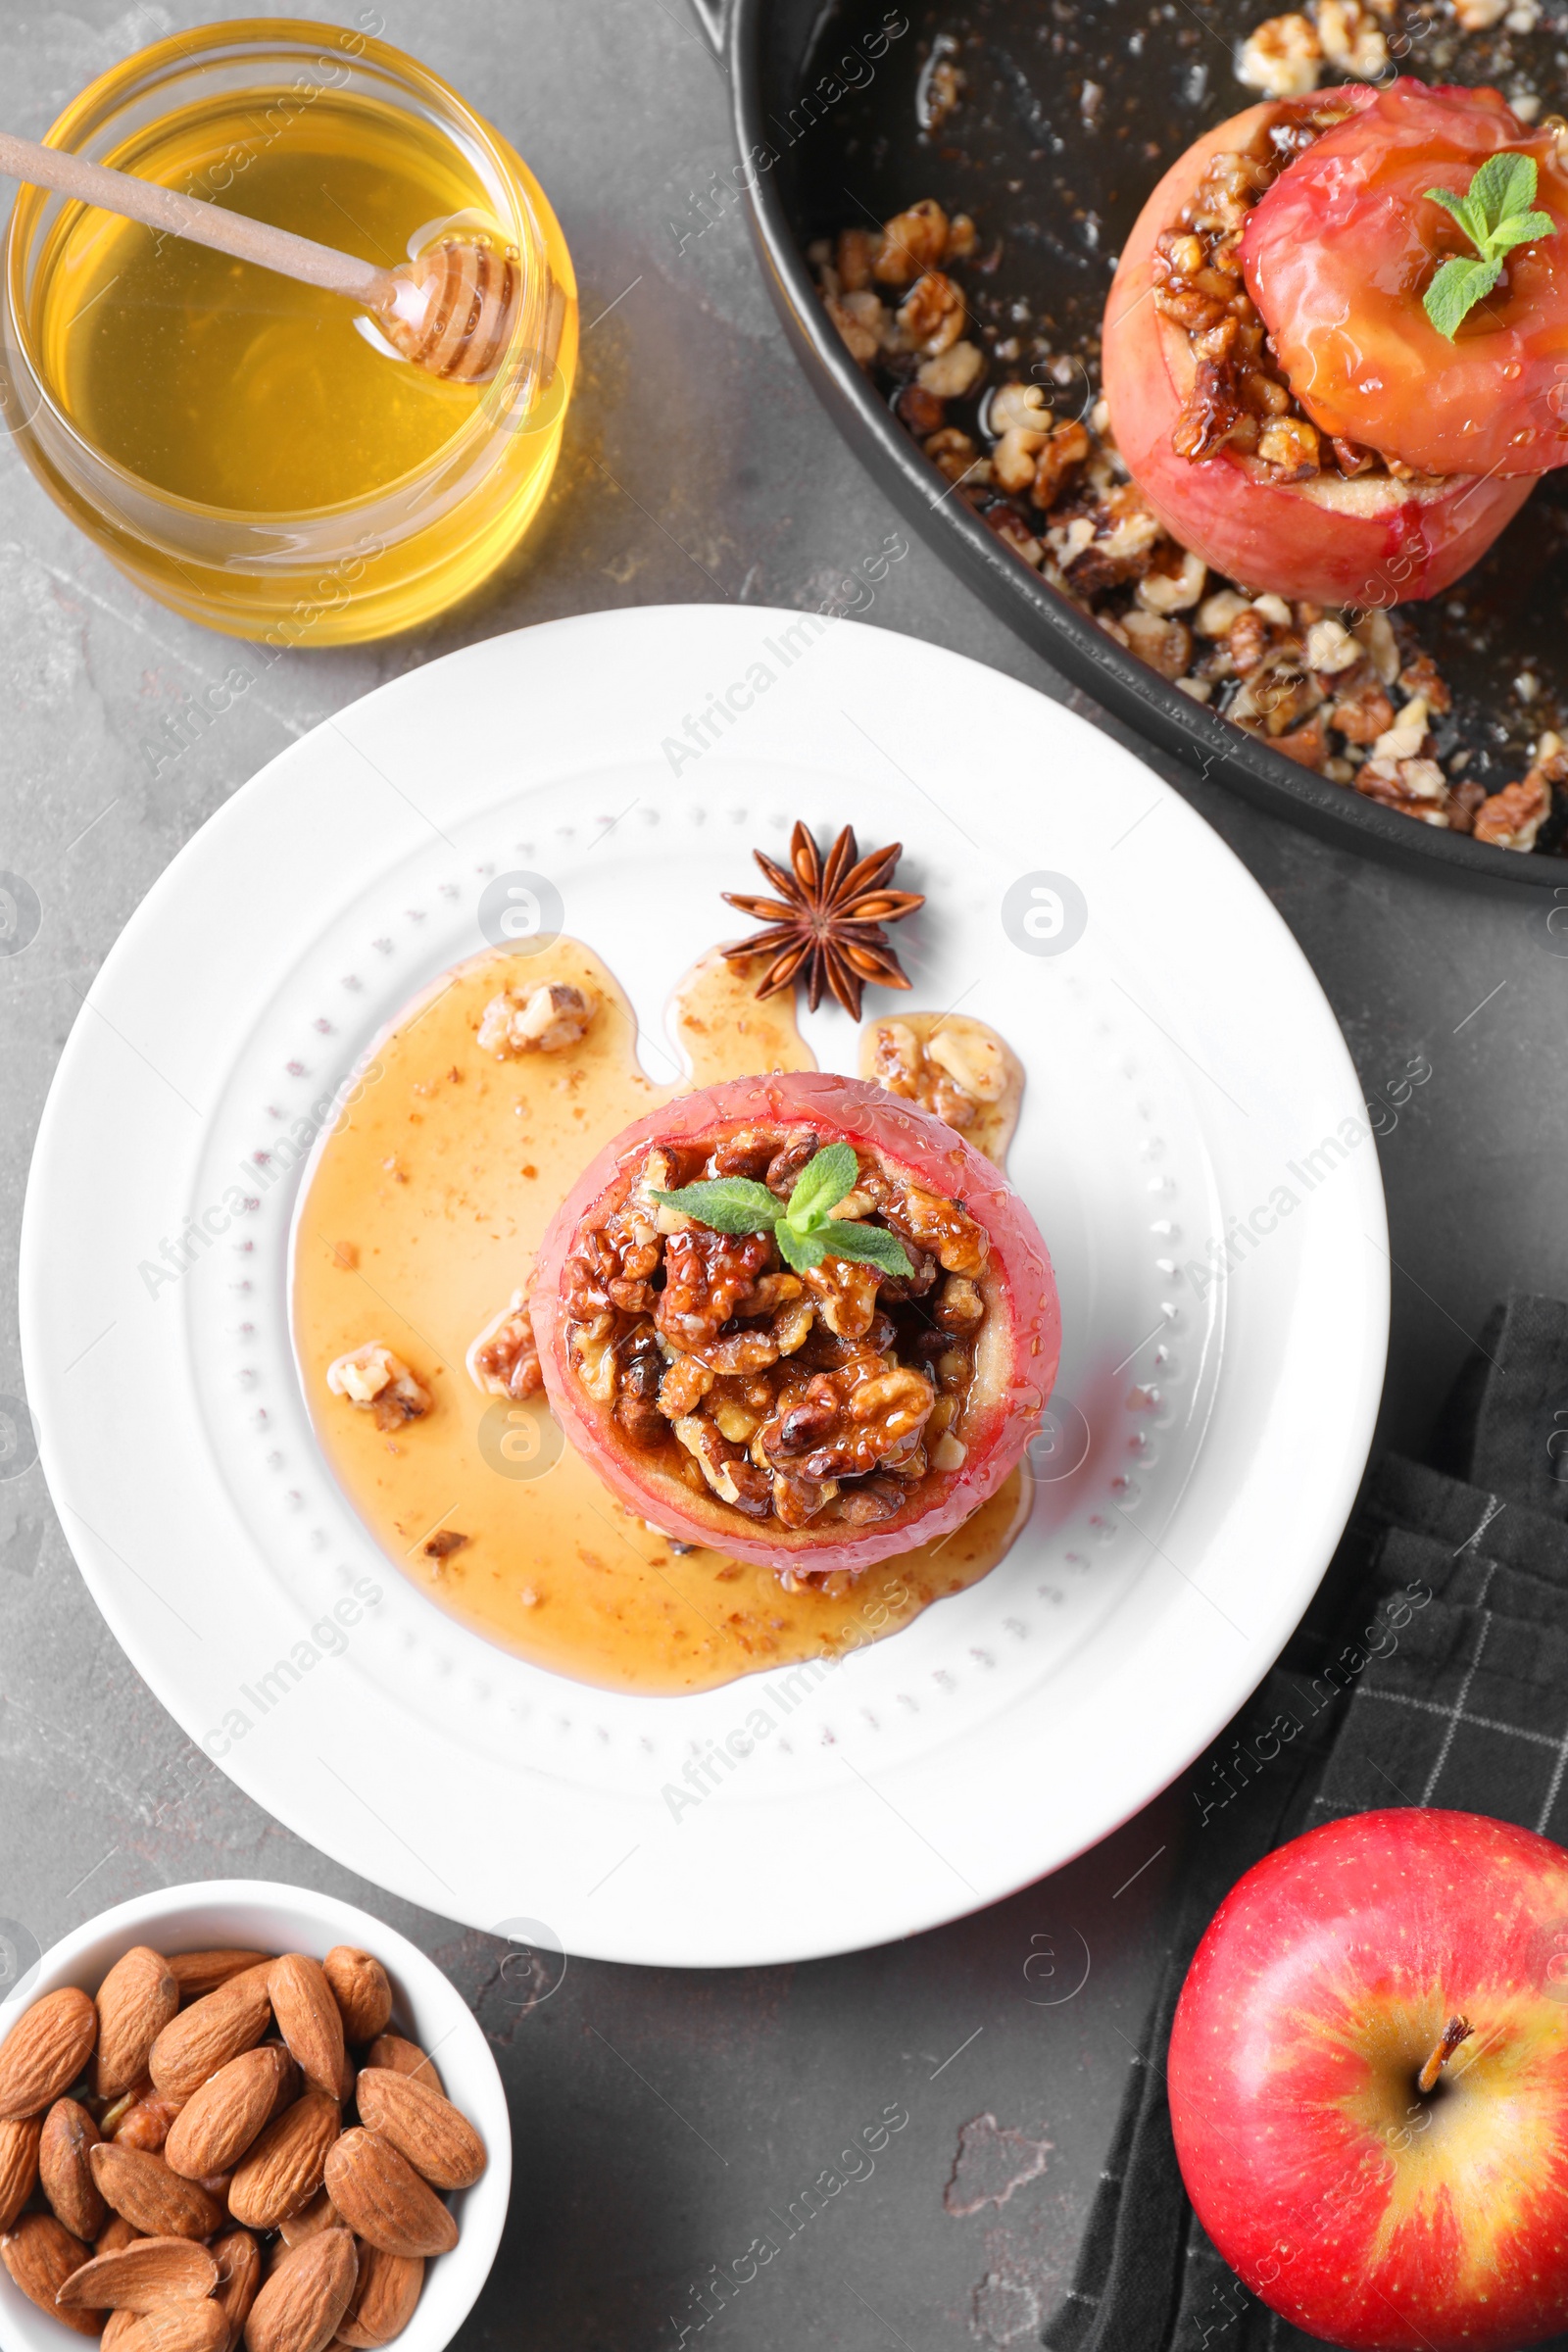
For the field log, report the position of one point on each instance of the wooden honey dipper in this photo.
(449, 310)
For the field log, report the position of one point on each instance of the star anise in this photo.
(827, 922)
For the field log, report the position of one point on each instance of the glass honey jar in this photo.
(250, 450)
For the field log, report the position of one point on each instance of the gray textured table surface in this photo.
(664, 2121)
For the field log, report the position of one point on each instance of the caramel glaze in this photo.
(423, 1213)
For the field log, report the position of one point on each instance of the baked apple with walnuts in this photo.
(1277, 374)
(799, 1320)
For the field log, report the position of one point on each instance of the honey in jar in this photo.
(248, 446)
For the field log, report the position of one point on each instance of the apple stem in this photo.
(1457, 2030)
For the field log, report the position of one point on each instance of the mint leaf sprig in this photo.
(804, 1227)
(1496, 214)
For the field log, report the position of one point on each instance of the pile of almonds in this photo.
(180, 2171)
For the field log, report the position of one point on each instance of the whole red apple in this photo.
(1348, 1970)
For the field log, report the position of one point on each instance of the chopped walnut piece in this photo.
(1017, 535)
(1277, 694)
(1405, 739)
(919, 411)
(911, 242)
(1422, 676)
(973, 1062)
(378, 1382)
(798, 1501)
(706, 1276)
(1290, 444)
(957, 1067)
(1351, 38)
(941, 86)
(852, 258)
(1479, 16)
(845, 1296)
(1166, 645)
(1309, 745)
(893, 1404)
(545, 1021)
(1330, 648)
(931, 315)
(637, 1391)
(863, 328)
(731, 1475)
(1060, 458)
(685, 1383)
(1363, 710)
(941, 1227)
(1282, 58)
(952, 372)
(1375, 631)
(952, 452)
(1351, 458)
(1218, 614)
(1415, 787)
(1173, 586)
(1019, 408)
(441, 1547)
(1512, 819)
(1250, 640)
(504, 1360)
(960, 1307)
(1013, 459)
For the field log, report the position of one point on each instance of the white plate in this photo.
(259, 1915)
(1184, 1070)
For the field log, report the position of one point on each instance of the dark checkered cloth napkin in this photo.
(1432, 1670)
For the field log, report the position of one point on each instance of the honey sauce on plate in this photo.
(422, 1219)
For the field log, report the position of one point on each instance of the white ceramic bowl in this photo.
(256, 1915)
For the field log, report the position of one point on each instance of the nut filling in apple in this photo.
(814, 1359)
(1241, 398)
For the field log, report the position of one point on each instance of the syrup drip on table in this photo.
(424, 1215)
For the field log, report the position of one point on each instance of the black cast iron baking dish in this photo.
(1166, 74)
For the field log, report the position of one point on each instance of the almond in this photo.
(45, 2051)
(239, 2280)
(383, 2200)
(40, 2256)
(319, 2214)
(116, 2233)
(309, 2019)
(403, 2058)
(384, 2300)
(209, 2034)
(177, 2328)
(422, 2126)
(18, 2165)
(361, 1990)
(140, 2276)
(117, 2328)
(135, 2002)
(299, 2307)
(199, 1973)
(218, 2123)
(70, 2136)
(284, 2168)
(150, 2196)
